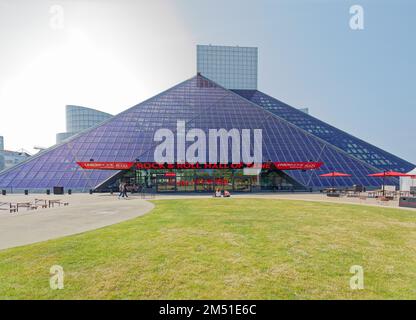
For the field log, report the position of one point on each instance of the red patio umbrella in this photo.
(334, 174)
(388, 174)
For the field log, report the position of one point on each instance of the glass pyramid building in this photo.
(357, 148)
(288, 136)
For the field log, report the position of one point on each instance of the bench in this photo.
(383, 200)
(333, 194)
(58, 202)
(386, 198)
(27, 205)
(12, 208)
(353, 194)
(41, 203)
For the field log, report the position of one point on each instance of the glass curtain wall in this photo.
(206, 181)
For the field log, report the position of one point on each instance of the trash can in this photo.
(26, 192)
(91, 191)
(3, 192)
(48, 191)
(58, 190)
(69, 191)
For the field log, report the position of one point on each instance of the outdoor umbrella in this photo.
(388, 174)
(335, 174)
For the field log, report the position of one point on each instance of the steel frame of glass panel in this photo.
(350, 144)
(203, 180)
(355, 147)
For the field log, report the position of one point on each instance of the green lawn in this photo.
(226, 249)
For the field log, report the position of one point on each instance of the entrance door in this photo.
(224, 183)
(205, 184)
(242, 184)
(165, 184)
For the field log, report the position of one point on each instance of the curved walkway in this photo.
(84, 213)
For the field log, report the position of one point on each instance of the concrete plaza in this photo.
(85, 212)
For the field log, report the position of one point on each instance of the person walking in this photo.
(121, 190)
(125, 190)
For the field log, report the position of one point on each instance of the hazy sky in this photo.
(112, 54)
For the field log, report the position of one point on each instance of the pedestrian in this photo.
(125, 190)
(121, 190)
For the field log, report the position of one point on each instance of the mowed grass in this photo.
(226, 249)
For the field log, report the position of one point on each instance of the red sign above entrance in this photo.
(170, 174)
(297, 165)
(155, 166)
(106, 165)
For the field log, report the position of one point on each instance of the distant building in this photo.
(231, 67)
(11, 158)
(79, 119)
(8, 158)
(1, 156)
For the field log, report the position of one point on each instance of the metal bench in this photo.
(27, 205)
(41, 203)
(383, 200)
(333, 194)
(58, 202)
(12, 208)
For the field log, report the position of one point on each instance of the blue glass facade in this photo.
(201, 104)
(355, 147)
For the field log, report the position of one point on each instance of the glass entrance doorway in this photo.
(206, 181)
(205, 184)
(242, 184)
(165, 184)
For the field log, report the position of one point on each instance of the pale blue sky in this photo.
(113, 54)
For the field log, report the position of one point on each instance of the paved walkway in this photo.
(84, 213)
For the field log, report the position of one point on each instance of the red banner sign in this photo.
(170, 174)
(106, 165)
(155, 166)
(297, 165)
